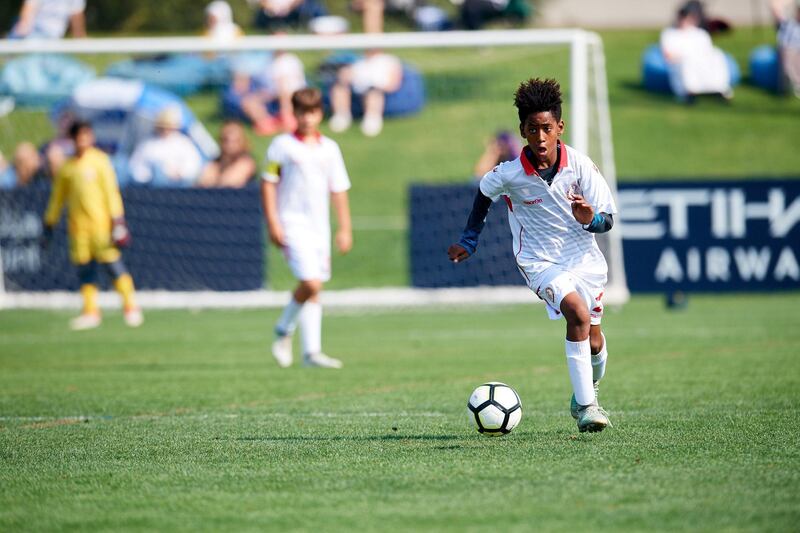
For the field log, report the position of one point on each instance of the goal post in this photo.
(587, 107)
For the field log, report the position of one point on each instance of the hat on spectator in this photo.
(169, 118)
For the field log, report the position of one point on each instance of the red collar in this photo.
(527, 164)
(316, 135)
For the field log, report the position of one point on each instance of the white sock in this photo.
(599, 362)
(288, 321)
(579, 362)
(311, 328)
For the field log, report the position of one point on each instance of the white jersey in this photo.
(51, 17)
(540, 216)
(306, 175)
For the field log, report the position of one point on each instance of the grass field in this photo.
(186, 424)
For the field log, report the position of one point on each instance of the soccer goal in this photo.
(467, 84)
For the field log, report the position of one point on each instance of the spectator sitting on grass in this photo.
(504, 146)
(789, 41)
(49, 19)
(169, 158)
(275, 15)
(696, 66)
(219, 22)
(25, 169)
(235, 166)
(371, 77)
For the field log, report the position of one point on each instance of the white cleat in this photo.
(320, 360)
(282, 350)
(82, 322)
(133, 318)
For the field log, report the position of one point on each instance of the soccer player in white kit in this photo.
(304, 174)
(557, 199)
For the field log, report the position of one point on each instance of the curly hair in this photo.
(537, 96)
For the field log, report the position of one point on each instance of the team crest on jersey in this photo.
(548, 292)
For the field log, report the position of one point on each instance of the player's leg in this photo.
(287, 324)
(589, 415)
(90, 314)
(123, 284)
(311, 328)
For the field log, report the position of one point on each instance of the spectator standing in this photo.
(169, 158)
(696, 66)
(789, 41)
(235, 166)
(370, 78)
(49, 19)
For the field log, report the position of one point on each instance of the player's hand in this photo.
(276, 235)
(120, 235)
(457, 253)
(581, 209)
(344, 241)
(46, 237)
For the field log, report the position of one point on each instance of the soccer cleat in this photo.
(592, 418)
(85, 321)
(340, 122)
(133, 317)
(320, 360)
(282, 350)
(573, 403)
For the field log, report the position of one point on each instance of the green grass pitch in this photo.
(187, 424)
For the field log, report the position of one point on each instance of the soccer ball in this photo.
(494, 408)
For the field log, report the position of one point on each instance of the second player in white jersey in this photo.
(304, 173)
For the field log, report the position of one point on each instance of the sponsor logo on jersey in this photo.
(532, 202)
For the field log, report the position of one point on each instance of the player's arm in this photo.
(120, 235)
(584, 213)
(344, 228)
(468, 243)
(269, 203)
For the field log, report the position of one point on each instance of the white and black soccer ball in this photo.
(494, 408)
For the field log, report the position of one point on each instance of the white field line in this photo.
(211, 416)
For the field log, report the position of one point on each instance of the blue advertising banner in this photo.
(711, 235)
(183, 239)
(695, 236)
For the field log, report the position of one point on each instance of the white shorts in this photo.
(554, 283)
(308, 261)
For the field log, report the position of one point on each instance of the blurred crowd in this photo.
(257, 87)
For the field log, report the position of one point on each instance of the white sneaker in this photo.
(372, 125)
(82, 322)
(133, 318)
(282, 350)
(340, 122)
(320, 360)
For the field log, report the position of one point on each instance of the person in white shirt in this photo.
(49, 19)
(789, 41)
(305, 172)
(169, 158)
(696, 66)
(557, 199)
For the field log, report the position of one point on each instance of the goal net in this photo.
(192, 245)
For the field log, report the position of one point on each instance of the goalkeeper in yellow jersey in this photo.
(96, 227)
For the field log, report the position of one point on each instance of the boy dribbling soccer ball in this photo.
(304, 174)
(557, 200)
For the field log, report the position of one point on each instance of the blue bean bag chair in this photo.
(181, 74)
(765, 68)
(40, 80)
(655, 70)
(406, 100)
